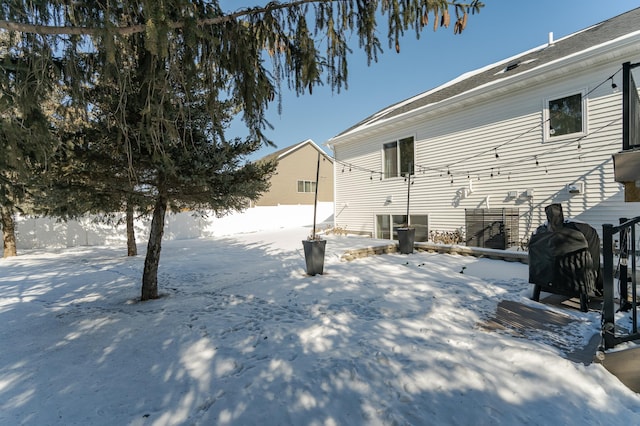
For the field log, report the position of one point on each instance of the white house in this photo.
(492, 148)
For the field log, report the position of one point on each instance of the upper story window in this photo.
(398, 157)
(565, 116)
(306, 186)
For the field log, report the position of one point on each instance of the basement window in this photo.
(387, 226)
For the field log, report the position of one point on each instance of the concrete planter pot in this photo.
(314, 256)
(406, 240)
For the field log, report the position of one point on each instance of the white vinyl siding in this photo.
(466, 138)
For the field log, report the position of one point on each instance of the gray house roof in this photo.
(595, 35)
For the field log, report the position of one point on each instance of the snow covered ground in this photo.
(242, 336)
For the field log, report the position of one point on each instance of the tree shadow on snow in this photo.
(244, 336)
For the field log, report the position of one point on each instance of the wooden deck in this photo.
(524, 320)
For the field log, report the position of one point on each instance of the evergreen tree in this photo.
(179, 65)
(26, 139)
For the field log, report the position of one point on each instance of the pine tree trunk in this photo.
(8, 231)
(151, 261)
(132, 248)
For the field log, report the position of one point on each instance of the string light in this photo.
(496, 153)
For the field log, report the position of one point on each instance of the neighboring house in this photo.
(492, 148)
(294, 181)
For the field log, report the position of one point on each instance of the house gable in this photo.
(294, 180)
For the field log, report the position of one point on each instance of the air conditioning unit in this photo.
(512, 194)
(528, 193)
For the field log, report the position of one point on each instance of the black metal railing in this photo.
(626, 273)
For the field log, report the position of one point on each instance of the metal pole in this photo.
(315, 201)
(408, 191)
(633, 279)
(623, 291)
(626, 111)
(608, 314)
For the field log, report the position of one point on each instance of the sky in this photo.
(502, 29)
(242, 336)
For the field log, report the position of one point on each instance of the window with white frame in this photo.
(387, 226)
(398, 157)
(565, 117)
(306, 186)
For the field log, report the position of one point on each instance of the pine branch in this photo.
(140, 28)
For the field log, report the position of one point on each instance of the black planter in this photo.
(406, 238)
(314, 256)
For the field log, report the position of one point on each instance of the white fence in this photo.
(89, 231)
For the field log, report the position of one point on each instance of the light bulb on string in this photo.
(496, 151)
(492, 172)
(537, 162)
